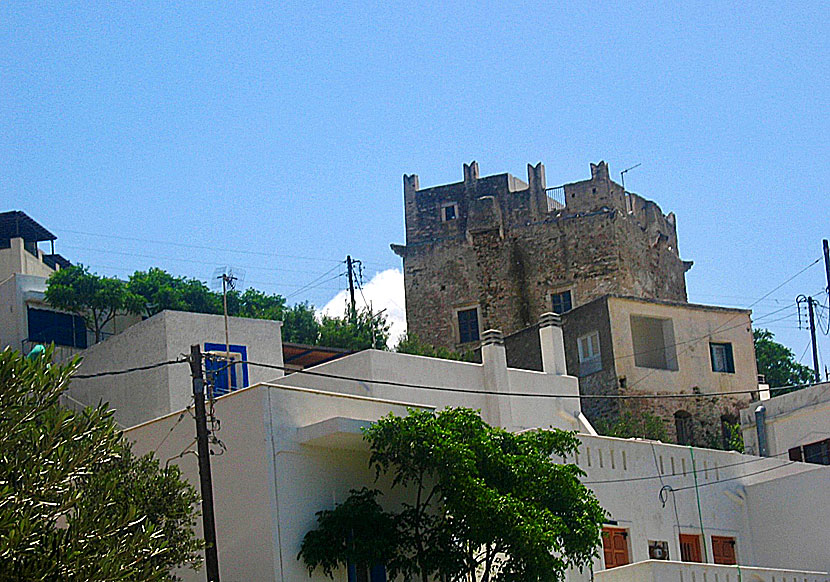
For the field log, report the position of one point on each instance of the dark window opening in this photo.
(653, 342)
(468, 325)
(62, 329)
(561, 302)
(684, 425)
(817, 452)
(722, 360)
(450, 212)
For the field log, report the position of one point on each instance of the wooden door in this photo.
(615, 546)
(723, 550)
(690, 548)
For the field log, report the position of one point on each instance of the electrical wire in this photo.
(183, 260)
(200, 247)
(787, 464)
(495, 392)
(311, 284)
(128, 370)
(682, 473)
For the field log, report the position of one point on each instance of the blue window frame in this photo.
(215, 367)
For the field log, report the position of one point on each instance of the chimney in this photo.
(494, 362)
(552, 343)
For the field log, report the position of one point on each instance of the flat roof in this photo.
(305, 356)
(672, 303)
(18, 224)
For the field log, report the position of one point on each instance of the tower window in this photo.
(468, 325)
(561, 302)
(449, 212)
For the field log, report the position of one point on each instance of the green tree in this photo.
(409, 343)
(360, 333)
(483, 501)
(96, 299)
(361, 532)
(630, 425)
(160, 290)
(777, 362)
(75, 503)
(300, 325)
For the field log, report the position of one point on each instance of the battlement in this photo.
(457, 208)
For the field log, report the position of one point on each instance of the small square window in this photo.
(722, 360)
(590, 358)
(468, 325)
(449, 212)
(561, 302)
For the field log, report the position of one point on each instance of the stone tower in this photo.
(497, 252)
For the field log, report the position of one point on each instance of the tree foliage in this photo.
(409, 343)
(75, 503)
(96, 299)
(635, 425)
(777, 362)
(362, 331)
(482, 501)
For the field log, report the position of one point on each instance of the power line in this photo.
(787, 464)
(493, 392)
(682, 473)
(200, 247)
(128, 370)
(182, 260)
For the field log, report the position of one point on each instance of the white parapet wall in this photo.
(665, 571)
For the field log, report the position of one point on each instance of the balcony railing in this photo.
(666, 571)
(556, 198)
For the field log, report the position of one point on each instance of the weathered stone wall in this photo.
(706, 413)
(505, 253)
(593, 317)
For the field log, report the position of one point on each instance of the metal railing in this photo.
(556, 198)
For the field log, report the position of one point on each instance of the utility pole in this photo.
(623, 173)
(350, 267)
(826, 262)
(227, 281)
(208, 519)
(810, 303)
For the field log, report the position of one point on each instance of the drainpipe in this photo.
(761, 430)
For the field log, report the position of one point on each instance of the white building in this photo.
(294, 447)
(795, 425)
(144, 395)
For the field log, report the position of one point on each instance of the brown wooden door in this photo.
(723, 550)
(615, 546)
(690, 548)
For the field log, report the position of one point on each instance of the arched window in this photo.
(683, 424)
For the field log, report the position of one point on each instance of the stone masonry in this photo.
(505, 247)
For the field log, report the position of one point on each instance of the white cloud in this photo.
(384, 292)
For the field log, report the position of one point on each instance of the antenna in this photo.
(622, 174)
(230, 279)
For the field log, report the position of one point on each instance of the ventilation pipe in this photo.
(761, 429)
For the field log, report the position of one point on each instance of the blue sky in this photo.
(272, 137)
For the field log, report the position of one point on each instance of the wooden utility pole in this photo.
(205, 481)
(349, 268)
(810, 301)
